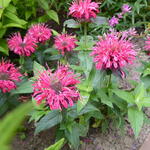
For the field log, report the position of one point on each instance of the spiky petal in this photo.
(65, 43)
(58, 88)
(22, 47)
(9, 75)
(40, 32)
(84, 9)
(113, 52)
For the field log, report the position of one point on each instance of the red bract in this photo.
(147, 44)
(84, 9)
(9, 75)
(23, 47)
(40, 32)
(65, 42)
(58, 88)
(113, 52)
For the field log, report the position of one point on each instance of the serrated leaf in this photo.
(83, 101)
(128, 97)
(136, 119)
(37, 69)
(24, 88)
(88, 108)
(50, 120)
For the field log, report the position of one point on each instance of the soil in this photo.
(113, 139)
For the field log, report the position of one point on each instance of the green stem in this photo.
(22, 60)
(109, 81)
(85, 33)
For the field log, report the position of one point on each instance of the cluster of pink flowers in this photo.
(26, 46)
(9, 75)
(115, 19)
(113, 52)
(147, 45)
(84, 10)
(65, 43)
(58, 88)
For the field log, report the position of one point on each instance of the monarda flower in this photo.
(147, 45)
(126, 8)
(65, 43)
(84, 9)
(22, 47)
(9, 75)
(40, 32)
(58, 89)
(113, 52)
(113, 21)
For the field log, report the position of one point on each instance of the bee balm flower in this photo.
(84, 9)
(58, 88)
(113, 52)
(22, 47)
(64, 43)
(9, 75)
(40, 32)
(126, 8)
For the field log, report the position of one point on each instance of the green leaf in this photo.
(24, 88)
(99, 20)
(44, 4)
(83, 100)
(145, 102)
(128, 97)
(51, 119)
(71, 23)
(3, 5)
(53, 15)
(104, 98)
(3, 46)
(13, 25)
(88, 108)
(146, 72)
(15, 18)
(55, 33)
(136, 119)
(54, 57)
(73, 136)
(8, 132)
(139, 94)
(57, 146)
(37, 69)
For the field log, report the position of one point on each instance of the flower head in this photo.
(113, 21)
(84, 9)
(9, 75)
(58, 88)
(23, 47)
(113, 52)
(126, 8)
(40, 32)
(65, 42)
(147, 44)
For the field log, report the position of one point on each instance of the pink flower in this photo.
(65, 42)
(58, 88)
(126, 8)
(84, 9)
(113, 52)
(9, 75)
(23, 47)
(40, 32)
(147, 44)
(113, 21)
